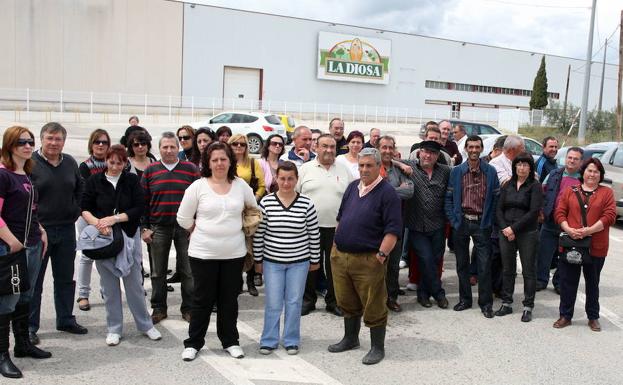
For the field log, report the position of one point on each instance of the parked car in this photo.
(257, 126)
(471, 128)
(289, 124)
(594, 150)
(613, 164)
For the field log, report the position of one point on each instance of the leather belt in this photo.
(471, 217)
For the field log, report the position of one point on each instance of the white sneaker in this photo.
(153, 334)
(403, 264)
(235, 351)
(189, 354)
(411, 286)
(112, 339)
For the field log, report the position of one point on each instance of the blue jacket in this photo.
(552, 188)
(453, 208)
(544, 166)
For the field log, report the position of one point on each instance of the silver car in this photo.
(613, 164)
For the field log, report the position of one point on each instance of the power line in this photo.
(599, 49)
(536, 5)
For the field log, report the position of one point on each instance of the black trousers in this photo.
(326, 243)
(216, 282)
(569, 282)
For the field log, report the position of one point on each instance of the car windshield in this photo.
(272, 119)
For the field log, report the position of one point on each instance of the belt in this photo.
(471, 217)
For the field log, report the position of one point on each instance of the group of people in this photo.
(332, 215)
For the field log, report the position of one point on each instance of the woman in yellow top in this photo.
(244, 162)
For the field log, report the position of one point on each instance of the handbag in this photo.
(14, 277)
(254, 182)
(113, 248)
(576, 251)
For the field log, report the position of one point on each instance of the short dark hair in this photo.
(53, 128)
(474, 138)
(431, 123)
(547, 139)
(205, 160)
(327, 136)
(133, 117)
(195, 156)
(223, 130)
(138, 136)
(386, 137)
(597, 163)
(93, 137)
(316, 131)
(119, 151)
(355, 134)
(266, 145)
(434, 128)
(333, 120)
(287, 166)
(460, 127)
(523, 157)
(499, 143)
(576, 149)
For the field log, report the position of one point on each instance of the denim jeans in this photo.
(429, 247)
(162, 238)
(284, 287)
(569, 282)
(481, 238)
(548, 251)
(62, 252)
(526, 244)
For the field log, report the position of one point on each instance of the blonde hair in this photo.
(241, 138)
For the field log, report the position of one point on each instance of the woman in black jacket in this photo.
(517, 212)
(112, 197)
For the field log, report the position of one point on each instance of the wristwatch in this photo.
(381, 254)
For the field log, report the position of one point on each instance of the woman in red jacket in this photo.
(600, 215)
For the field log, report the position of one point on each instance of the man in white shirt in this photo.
(324, 181)
(513, 146)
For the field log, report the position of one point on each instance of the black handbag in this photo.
(112, 249)
(254, 182)
(14, 277)
(576, 251)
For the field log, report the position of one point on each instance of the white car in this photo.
(256, 126)
(532, 146)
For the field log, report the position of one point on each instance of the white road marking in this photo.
(604, 312)
(286, 368)
(616, 239)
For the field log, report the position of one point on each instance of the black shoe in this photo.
(401, 292)
(306, 309)
(425, 302)
(169, 271)
(541, 286)
(526, 316)
(394, 306)
(443, 302)
(7, 367)
(557, 289)
(34, 338)
(333, 309)
(23, 346)
(377, 349)
(503, 310)
(74, 328)
(253, 291)
(487, 312)
(257, 280)
(351, 336)
(462, 306)
(175, 278)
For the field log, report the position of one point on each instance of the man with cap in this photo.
(369, 223)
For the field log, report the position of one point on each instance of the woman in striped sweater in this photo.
(286, 246)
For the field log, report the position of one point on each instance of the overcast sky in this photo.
(555, 27)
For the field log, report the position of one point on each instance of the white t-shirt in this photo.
(217, 219)
(352, 167)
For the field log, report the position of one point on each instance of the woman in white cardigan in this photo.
(211, 211)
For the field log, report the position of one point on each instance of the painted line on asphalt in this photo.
(616, 239)
(285, 368)
(604, 312)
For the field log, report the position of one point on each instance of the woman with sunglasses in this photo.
(18, 144)
(186, 135)
(99, 142)
(273, 148)
(139, 152)
(203, 138)
(246, 167)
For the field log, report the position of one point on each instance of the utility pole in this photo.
(619, 112)
(564, 106)
(587, 79)
(603, 74)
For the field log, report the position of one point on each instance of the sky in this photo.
(554, 27)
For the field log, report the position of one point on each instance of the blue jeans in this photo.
(429, 247)
(481, 238)
(548, 251)
(33, 259)
(62, 252)
(284, 284)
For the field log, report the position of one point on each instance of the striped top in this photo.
(164, 191)
(287, 234)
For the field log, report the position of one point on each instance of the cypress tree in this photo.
(538, 100)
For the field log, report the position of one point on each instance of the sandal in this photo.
(83, 304)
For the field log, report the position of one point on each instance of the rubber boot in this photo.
(377, 350)
(250, 285)
(7, 368)
(351, 336)
(23, 346)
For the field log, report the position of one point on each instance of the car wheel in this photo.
(255, 143)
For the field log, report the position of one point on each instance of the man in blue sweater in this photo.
(369, 223)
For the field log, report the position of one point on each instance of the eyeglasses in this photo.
(276, 144)
(23, 142)
(101, 142)
(139, 144)
(238, 144)
(186, 137)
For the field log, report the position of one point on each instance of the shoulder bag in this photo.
(576, 251)
(14, 266)
(254, 182)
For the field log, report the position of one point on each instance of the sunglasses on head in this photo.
(185, 137)
(276, 144)
(139, 144)
(238, 144)
(23, 142)
(102, 142)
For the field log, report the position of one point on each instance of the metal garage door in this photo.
(241, 87)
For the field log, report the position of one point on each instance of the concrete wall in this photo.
(129, 46)
(286, 48)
